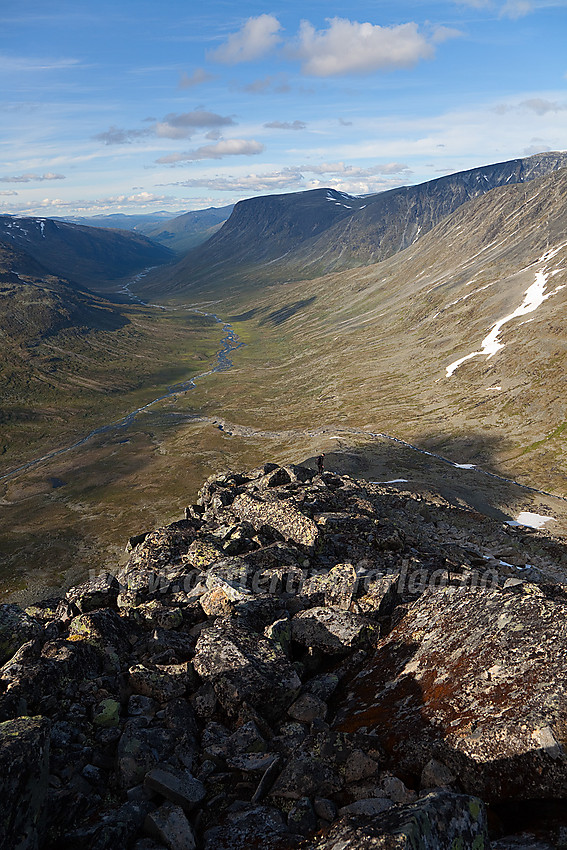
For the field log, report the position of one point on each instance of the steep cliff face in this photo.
(304, 234)
(305, 661)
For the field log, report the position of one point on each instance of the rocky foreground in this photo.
(305, 661)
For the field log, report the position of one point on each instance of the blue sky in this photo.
(137, 106)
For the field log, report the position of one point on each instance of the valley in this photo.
(338, 363)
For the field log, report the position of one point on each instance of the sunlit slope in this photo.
(305, 234)
(371, 347)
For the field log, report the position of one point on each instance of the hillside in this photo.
(305, 662)
(92, 258)
(305, 234)
(371, 347)
(188, 230)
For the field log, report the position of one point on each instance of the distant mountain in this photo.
(190, 229)
(306, 234)
(122, 221)
(179, 231)
(87, 256)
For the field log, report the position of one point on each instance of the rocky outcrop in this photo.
(304, 661)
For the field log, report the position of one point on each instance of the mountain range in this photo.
(306, 234)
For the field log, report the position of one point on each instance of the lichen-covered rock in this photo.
(24, 771)
(161, 685)
(16, 628)
(103, 628)
(170, 826)
(340, 587)
(99, 592)
(245, 668)
(478, 679)
(283, 517)
(440, 821)
(306, 776)
(333, 632)
(177, 786)
(255, 826)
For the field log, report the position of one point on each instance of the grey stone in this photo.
(333, 632)
(440, 821)
(169, 825)
(245, 668)
(16, 628)
(177, 786)
(24, 773)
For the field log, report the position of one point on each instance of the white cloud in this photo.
(118, 136)
(354, 171)
(276, 83)
(226, 147)
(6, 194)
(349, 47)
(541, 106)
(197, 78)
(32, 178)
(285, 179)
(255, 38)
(173, 126)
(182, 126)
(286, 125)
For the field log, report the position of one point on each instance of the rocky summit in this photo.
(304, 661)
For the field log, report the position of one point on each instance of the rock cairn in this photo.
(304, 661)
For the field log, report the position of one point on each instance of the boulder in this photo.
(283, 517)
(476, 679)
(244, 667)
(177, 786)
(24, 771)
(439, 821)
(169, 825)
(100, 592)
(333, 632)
(16, 628)
(255, 826)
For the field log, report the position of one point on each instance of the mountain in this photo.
(35, 305)
(306, 234)
(90, 257)
(123, 221)
(188, 230)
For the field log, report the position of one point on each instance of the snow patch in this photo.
(530, 520)
(534, 296)
(465, 465)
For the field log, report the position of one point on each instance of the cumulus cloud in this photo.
(537, 146)
(286, 125)
(183, 125)
(173, 126)
(542, 106)
(197, 78)
(337, 175)
(285, 179)
(32, 178)
(226, 147)
(253, 40)
(539, 105)
(276, 83)
(118, 136)
(355, 171)
(349, 47)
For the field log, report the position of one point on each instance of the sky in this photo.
(134, 107)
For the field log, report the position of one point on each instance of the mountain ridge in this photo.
(306, 234)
